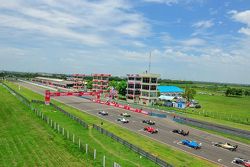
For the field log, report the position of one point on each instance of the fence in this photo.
(89, 152)
(138, 150)
(210, 126)
(18, 95)
(84, 124)
(157, 115)
(238, 118)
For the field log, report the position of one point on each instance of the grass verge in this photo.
(26, 141)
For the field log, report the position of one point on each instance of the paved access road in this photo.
(165, 126)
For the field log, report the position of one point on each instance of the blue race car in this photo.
(192, 144)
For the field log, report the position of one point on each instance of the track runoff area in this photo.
(165, 126)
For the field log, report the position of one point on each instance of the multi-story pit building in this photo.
(100, 82)
(142, 88)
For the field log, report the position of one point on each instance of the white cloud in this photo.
(23, 24)
(193, 42)
(242, 17)
(172, 2)
(90, 22)
(245, 30)
(203, 24)
(167, 2)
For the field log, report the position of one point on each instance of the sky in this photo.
(201, 40)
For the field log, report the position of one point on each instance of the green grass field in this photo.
(177, 158)
(217, 108)
(25, 141)
(238, 107)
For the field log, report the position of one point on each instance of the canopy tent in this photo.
(163, 97)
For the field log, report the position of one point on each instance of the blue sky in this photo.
(205, 40)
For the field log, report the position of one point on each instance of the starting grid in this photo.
(126, 107)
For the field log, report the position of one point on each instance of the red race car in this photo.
(241, 162)
(150, 129)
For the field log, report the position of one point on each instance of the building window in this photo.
(145, 94)
(146, 87)
(138, 79)
(137, 86)
(130, 92)
(137, 92)
(145, 80)
(153, 80)
(153, 94)
(130, 86)
(153, 87)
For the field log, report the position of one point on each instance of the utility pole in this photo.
(149, 65)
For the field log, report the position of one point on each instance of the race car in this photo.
(123, 120)
(192, 144)
(125, 114)
(150, 129)
(103, 113)
(242, 162)
(181, 132)
(150, 122)
(226, 146)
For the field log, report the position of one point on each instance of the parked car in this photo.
(226, 145)
(150, 122)
(150, 129)
(123, 120)
(181, 132)
(192, 144)
(241, 162)
(103, 113)
(125, 114)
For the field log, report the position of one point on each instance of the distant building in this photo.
(133, 88)
(170, 90)
(142, 88)
(54, 82)
(100, 82)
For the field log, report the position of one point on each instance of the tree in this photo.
(228, 92)
(121, 87)
(89, 84)
(189, 93)
(234, 92)
(247, 92)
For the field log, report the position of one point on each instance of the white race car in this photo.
(125, 114)
(123, 120)
(226, 146)
(103, 113)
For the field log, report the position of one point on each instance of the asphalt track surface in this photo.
(165, 126)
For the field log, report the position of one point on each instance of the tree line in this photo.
(237, 92)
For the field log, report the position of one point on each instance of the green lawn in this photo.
(25, 141)
(175, 157)
(226, 106)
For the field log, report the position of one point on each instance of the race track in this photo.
(165, 126)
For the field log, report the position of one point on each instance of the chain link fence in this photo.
(210, 126)
(81, 122)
